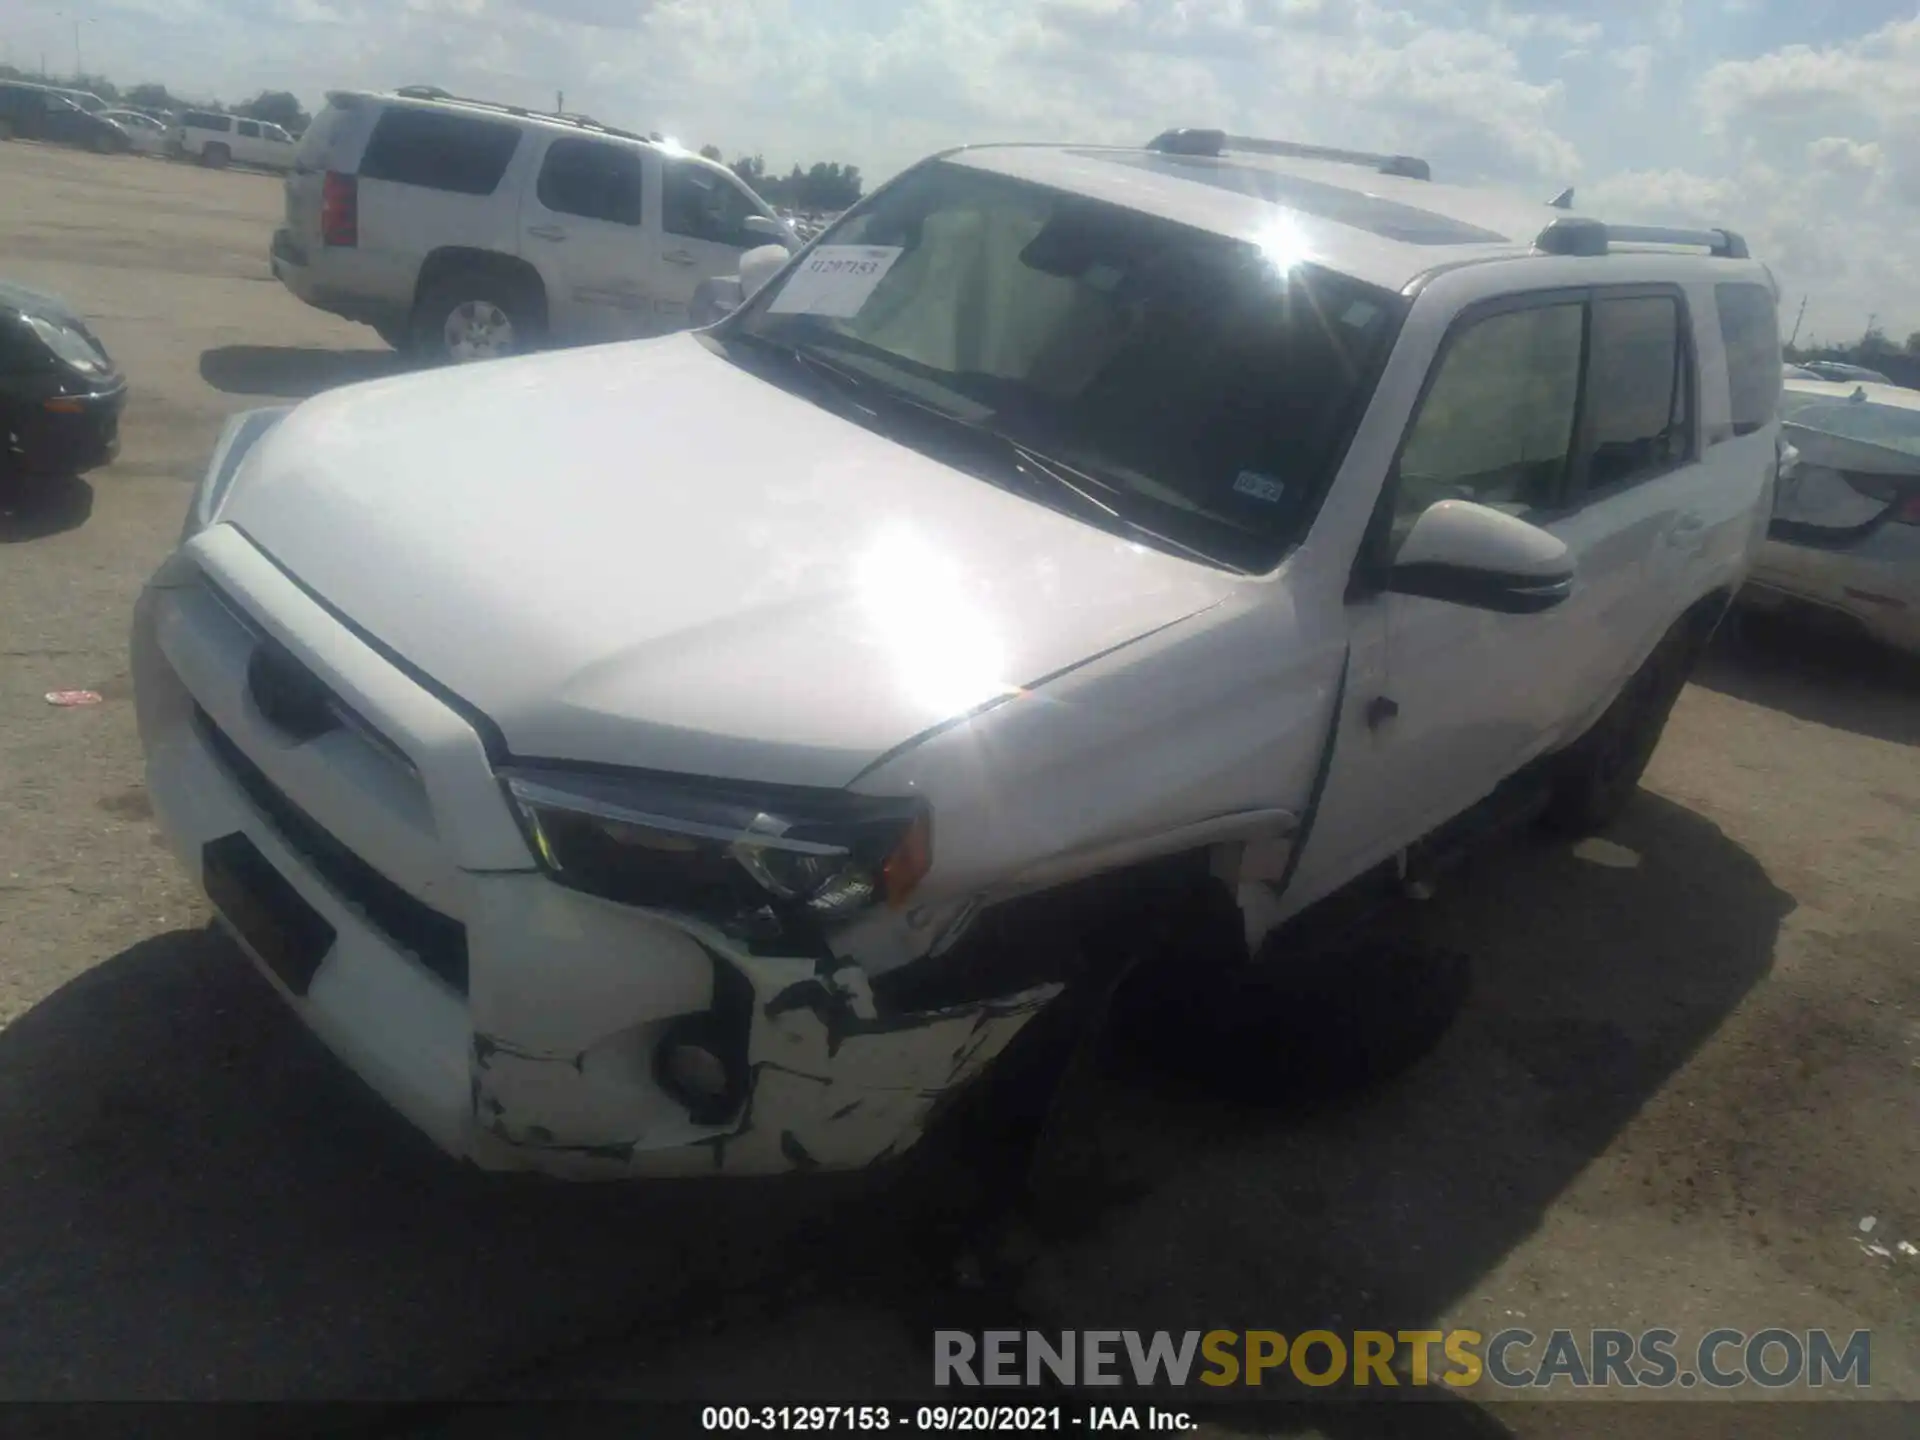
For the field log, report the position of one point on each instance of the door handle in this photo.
(546, 232)
(677, 257)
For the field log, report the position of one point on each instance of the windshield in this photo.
(1200, 389)
(1892, 426)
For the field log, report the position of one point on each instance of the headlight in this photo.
(73, 348)
(748, 861)
(240, 435)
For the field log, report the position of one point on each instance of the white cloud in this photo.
(1817, 158)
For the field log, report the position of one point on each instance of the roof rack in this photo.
(1218, 142)
(584, 122)
(1571, 236)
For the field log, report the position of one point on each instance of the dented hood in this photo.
(643, 555)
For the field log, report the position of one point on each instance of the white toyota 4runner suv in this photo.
(465, 230)
(704, 754)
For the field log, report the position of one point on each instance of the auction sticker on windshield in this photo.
(835, 281)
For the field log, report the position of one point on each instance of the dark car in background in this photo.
(40, 112)
(60, 392)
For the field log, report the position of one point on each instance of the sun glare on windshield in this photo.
(1282, 245)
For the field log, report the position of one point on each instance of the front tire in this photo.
(473, 315)
(1600, 772)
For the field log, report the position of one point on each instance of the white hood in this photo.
(643, 555)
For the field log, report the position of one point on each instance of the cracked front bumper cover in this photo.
(829, 1082)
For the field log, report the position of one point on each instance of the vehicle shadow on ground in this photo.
(1361, 1193)
(37, 509)
(214, 1208)
(1817, 672)
(292, 371)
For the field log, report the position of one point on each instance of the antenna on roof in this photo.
(1564, 200)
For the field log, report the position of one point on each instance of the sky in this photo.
(1796, 122)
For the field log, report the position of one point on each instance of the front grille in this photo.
(437, 941)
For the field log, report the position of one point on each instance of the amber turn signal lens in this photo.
(910, 861)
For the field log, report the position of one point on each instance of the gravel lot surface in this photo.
(1688, 1071)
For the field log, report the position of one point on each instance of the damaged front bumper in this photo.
(824, 1081)
(519, 1024)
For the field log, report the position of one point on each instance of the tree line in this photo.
(822, 186)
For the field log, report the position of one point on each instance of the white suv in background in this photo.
(700, 755)
(465, 230)
(218, 140)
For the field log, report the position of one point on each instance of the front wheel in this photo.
(1599, 773)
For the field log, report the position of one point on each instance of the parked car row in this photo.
(41, 112)
(212, 138)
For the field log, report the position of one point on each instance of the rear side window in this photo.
(1637, 391)
(1496, 425)
(591, 179)
(439, 150)
(1750, 330)
(201, 120)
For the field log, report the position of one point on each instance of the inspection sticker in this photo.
(835, 281)
(1260, 487)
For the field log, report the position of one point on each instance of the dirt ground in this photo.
(1689, 1069)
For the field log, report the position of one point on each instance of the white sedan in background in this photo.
(148, 134)
(1845, 535)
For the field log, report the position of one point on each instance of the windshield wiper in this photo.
(1023, 459)
(1062, 476)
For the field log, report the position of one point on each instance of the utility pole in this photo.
(1796, 322)
(1875, 315)
(559, 102)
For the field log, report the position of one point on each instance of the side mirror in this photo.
(759, 266)
(768, 228)
(1471, 554)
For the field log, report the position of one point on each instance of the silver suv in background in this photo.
(465, 230)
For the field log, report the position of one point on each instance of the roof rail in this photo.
(1218, 142)
(1593, 237)
(584, 122)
